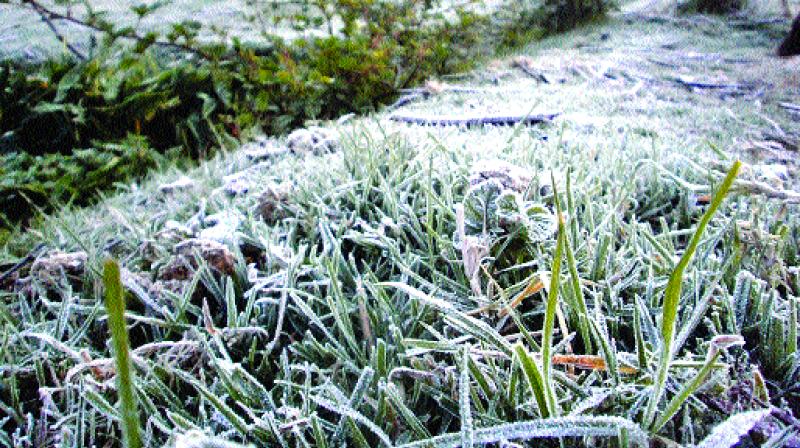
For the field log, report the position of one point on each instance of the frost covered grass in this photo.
(407, 289)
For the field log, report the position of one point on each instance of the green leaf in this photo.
(550, 311)
(67, 82)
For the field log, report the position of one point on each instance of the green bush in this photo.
(712, 6)
(72, 128)
(47, 180)
(70, 104)
(523, 23)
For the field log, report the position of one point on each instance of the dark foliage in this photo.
(791, 44)
(562, 15)
(712, 6)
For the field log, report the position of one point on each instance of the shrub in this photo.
(52, 179)
(561, 15)
(69, 104)
(712, 6)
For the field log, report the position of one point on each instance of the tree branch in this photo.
(48, 15)
(47, 18)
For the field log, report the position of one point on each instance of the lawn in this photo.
(590, 281)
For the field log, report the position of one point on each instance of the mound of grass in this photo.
(377, 335)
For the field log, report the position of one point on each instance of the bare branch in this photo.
(48, 15)
(47, 19)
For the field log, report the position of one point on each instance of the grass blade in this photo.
(467, 431)
(729, 432)
(115, 305)
(534, 378)
(672, 294)
(550, 312)
(543, 428)
(719, 342)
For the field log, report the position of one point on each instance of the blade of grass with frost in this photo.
(717, 345)
(359, 391)
(729, 432)
(306, 310)
(180, 421)
(583, 312)
(355, 415)
(467, 431)
(468, 324)
(672, 295)
(115, 305)
(217, 402)
(641, 355)
(666, 256)
(533, 376)
(99, 403)
(480, 378)
(230, 303)
(408, 415)
(550, 310)
(700, 308)
(792, 339)
(546, 428)
(196, 439)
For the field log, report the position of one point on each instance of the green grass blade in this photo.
(115, 305)
(550, 312)
(360, 389)
(533, 376)
(577, 290)
(218, 403)
(583, 312)
(411, 419)
(677, 401)
(672, 294)
(468, 324)
(356, 416)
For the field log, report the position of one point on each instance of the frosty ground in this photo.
(319, 292)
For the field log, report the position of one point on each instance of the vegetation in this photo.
(712, 6)
(614, 278)
(142, 98)
(115, 307)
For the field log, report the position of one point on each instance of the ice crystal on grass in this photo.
(730, 432)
